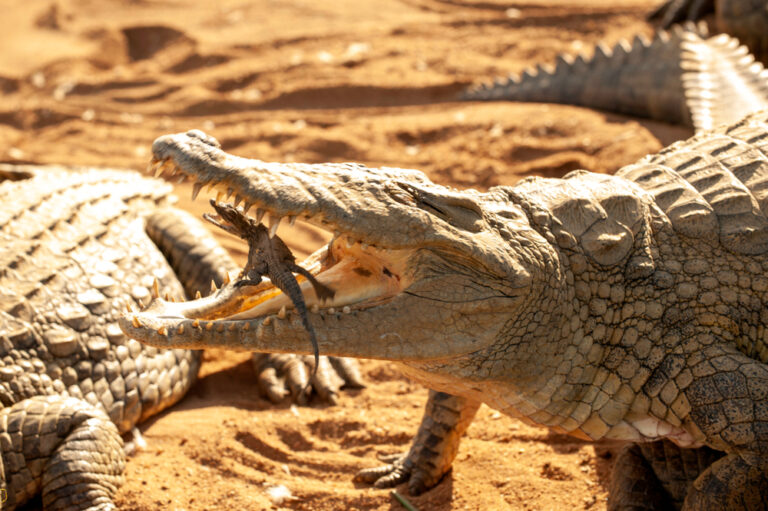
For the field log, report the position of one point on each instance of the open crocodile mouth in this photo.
(360, 274)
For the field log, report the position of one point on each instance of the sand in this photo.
(93, 82)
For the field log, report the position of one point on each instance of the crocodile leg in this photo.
(728, 402)
(64, 447)
(434, 447)
(656, 475)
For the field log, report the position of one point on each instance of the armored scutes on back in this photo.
(629, 307)
(679, 77)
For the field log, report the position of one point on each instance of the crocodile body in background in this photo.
(680, 77)
(77, 246)
(746, 20)
(628, 307)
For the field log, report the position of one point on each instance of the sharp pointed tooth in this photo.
(162, 330)
(135, 322)
(213, 287)
(196, 323)
(315, 308)
(247, 206)
(259, 214)
(348, 242)
(155, 288)
(291, 220)
(166, 297)
(209, 325)
(129, 306)
(226, 278)
(238, 199)
(181, 329)
(274, 223)
(181, 179)
(281, 314)
(198, 295)
(159, 170)
(267, 321)
(219, 196)
(196, 190)
(211, 187)
(232, 327)
(230, 191)
(246, 326)
(331, 310)
(346, 309)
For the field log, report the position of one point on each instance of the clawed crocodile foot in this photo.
(400, 468)
(282, 374)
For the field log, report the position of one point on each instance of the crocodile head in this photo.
(420, 272)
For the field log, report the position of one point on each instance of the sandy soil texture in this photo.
(93, 82)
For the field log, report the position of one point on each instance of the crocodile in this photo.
(746, 20)
(681, 76)
(78, 246)
(628, 307)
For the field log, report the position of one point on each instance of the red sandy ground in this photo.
(93, 82)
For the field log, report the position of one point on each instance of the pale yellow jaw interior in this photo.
(359, 275)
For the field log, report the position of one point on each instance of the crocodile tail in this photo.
(641, 78)
(722, 81)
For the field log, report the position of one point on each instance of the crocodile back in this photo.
(715, 185)
(73, 255)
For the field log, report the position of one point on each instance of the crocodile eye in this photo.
(464, 216)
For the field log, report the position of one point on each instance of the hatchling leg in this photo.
(434, 447)
(729, 403)
(63, 447)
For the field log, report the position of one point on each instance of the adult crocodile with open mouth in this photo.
(628, 307)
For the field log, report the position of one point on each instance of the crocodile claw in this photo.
(280, 375)
(402, 469)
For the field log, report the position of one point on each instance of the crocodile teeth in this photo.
(155, 288)
(181, 329)
(162, 330)
(198, 295)
(209, 325)
(291, 220)
(213, 287)
(166, 297)
(219, 196)
(281, 314)
(226, 278)
(274, 223)
(238, 199)
(135, 322)
(246, 326)
(196, 323)
(247, 206)
(196, 190)
(259, 214)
